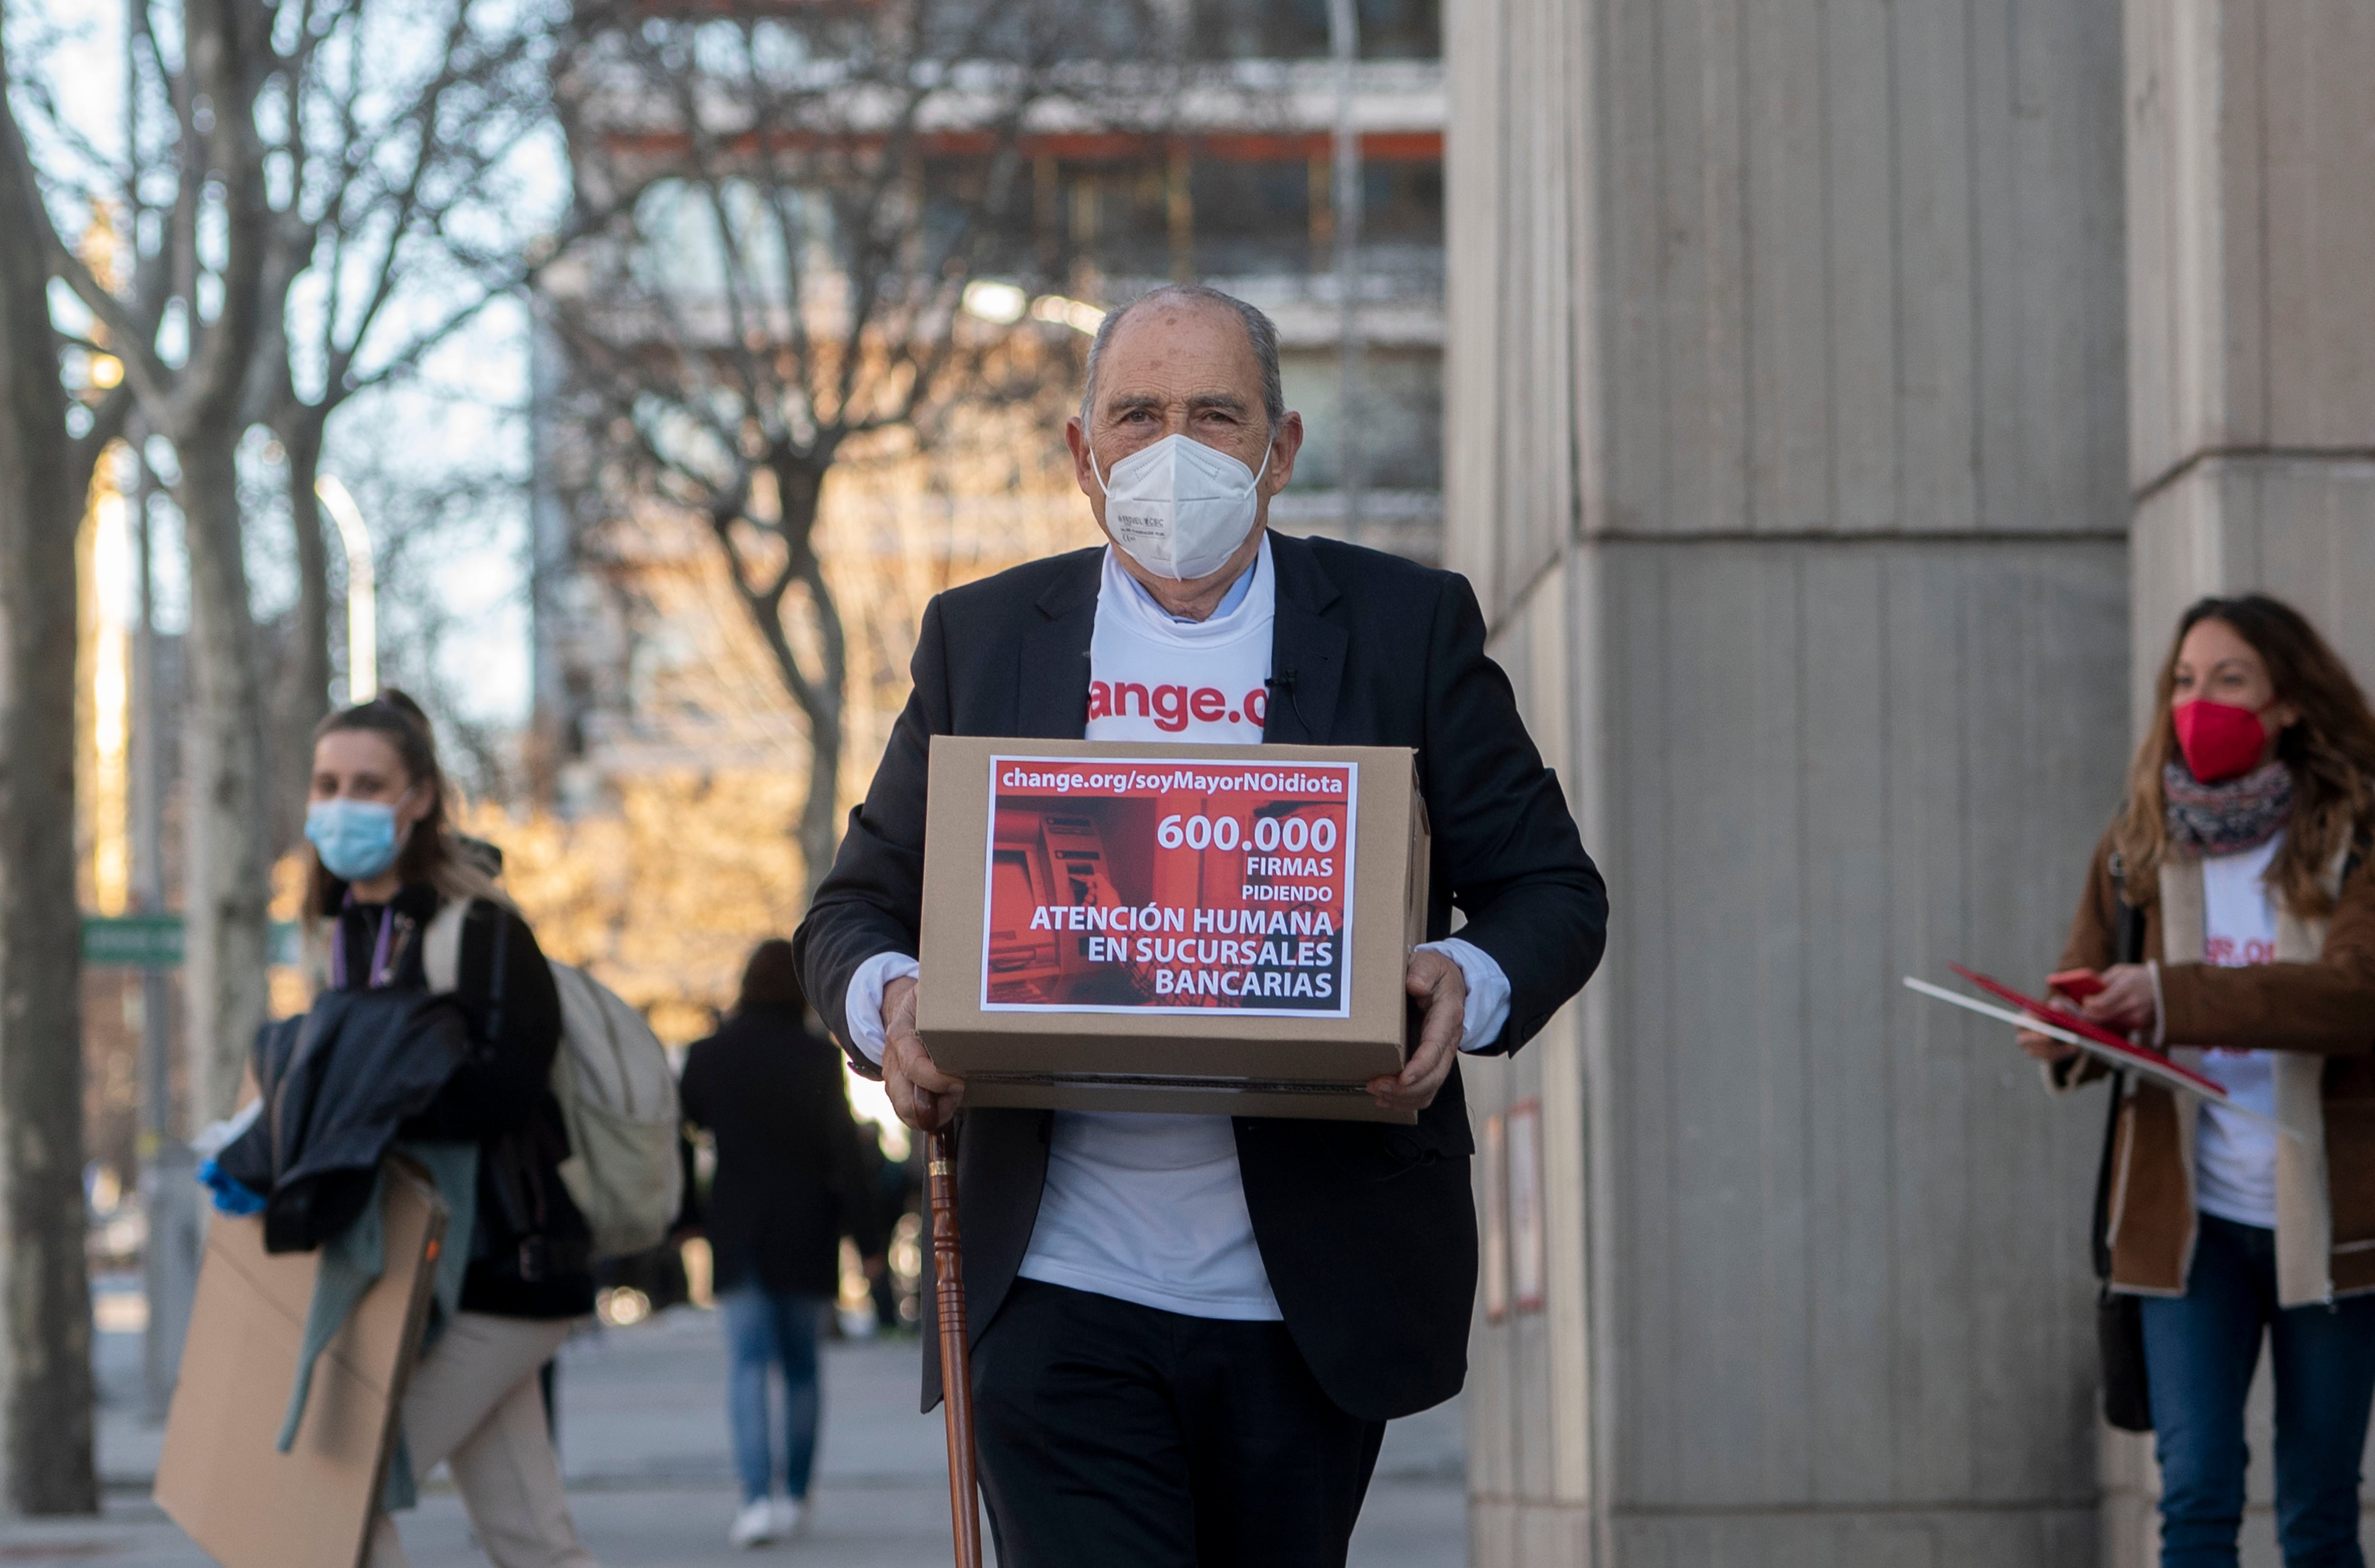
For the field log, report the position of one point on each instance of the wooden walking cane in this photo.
(956, 1361)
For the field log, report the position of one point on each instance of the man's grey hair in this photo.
(1260, 331)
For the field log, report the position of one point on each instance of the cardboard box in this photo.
(1117, 925)
(221, 1476)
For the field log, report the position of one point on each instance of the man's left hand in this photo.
(1442, 989)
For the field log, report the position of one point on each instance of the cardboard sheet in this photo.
(221, 1477)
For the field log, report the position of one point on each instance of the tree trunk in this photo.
(303, 699)
(45, 1342)
(824, 700)
(226, 823)
(820, 814)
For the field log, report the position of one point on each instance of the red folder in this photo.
(2100, 1041)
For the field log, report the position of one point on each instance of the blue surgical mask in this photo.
(357, 839)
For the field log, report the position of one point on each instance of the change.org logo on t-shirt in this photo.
(1175, 706)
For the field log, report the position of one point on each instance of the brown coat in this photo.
(2316, 1005)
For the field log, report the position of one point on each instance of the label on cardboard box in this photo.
(1199, 929)
(1150, 884)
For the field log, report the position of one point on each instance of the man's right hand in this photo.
(925, 1097)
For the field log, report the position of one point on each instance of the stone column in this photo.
(1787, 447)
(2251, 333)
(2251, 216)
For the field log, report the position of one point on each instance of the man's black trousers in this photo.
(1113, 1433)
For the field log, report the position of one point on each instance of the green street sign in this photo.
(132, 941)
(155, 941)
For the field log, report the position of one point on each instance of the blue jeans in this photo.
(2199, 1349)
(761, 1329)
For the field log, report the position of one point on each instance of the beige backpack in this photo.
(618, 1099)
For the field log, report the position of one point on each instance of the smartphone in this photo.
(2075, 983)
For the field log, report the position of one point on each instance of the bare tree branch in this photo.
(729, 368)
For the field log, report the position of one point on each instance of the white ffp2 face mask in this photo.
(1180, 508)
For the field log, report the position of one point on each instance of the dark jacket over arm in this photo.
(528, 1244)
(1367, 1231)
(872, 900)
(1505, 848)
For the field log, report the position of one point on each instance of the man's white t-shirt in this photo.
(2233, 1158)
(1145, 1207)
(1150, 1208)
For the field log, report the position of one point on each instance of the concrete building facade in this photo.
(1842, 398)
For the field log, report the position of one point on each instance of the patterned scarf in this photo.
(2226, 819)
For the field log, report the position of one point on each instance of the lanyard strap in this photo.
(379, 974)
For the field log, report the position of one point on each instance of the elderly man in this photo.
(1189, 1331)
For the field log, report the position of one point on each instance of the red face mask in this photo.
(2220, 741)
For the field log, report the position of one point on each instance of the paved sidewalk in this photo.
(642, 1434)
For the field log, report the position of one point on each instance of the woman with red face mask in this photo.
(2241, 855)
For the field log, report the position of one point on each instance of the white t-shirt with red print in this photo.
(2235, 1157)
(1150, 1208)
(1153, 677)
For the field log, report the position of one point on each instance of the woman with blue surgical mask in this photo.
(384, 861)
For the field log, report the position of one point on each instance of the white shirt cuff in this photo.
(862, 1010)
(1482, 1020)
(1488, 991)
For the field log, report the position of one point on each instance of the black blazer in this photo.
(1367, 1231)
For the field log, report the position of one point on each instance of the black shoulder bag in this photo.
(2119, 1318)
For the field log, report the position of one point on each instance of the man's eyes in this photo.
(1202, 415)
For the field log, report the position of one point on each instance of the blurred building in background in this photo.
(635, 670)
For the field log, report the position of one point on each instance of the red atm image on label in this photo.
(1148, 884)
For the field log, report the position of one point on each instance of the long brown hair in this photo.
(2330, 749)
(433, 852)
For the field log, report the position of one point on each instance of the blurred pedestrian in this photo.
(769, 1090)
(384, 862)
(2243, 850)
